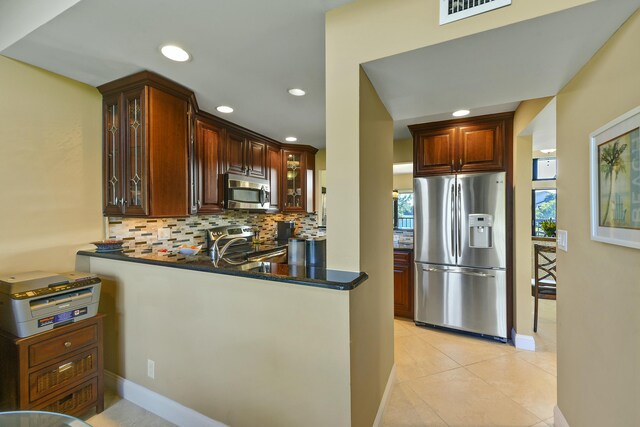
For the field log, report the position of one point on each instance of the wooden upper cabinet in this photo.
(245, 155)
(145, 147)
(274, 174)
(481, 147)
(235, 152)
(298, 170)
(434, 151)
(112, 158)
(477, 144)
(257, 159)
(208, 151)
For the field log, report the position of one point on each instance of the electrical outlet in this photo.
(151, 368)
(164, 233)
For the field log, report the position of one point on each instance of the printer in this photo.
(38, 301)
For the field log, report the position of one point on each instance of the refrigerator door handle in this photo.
(459, 210)
(453, 216)
(466, 273)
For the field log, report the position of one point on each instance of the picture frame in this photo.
(615, 181)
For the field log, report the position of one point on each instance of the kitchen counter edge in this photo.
(358, 279)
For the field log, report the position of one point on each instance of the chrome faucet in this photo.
(217, 253)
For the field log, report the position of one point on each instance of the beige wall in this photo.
(598, 283)
(371, 305)
(522, 161)
(50, 168)
(363, 31)
(403, 151)
(242, 351)
(403, 181)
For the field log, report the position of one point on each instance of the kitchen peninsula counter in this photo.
(309, 276)
(245, 348)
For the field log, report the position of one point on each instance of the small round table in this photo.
(39, 419)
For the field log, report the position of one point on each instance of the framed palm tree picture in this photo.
(615, 181)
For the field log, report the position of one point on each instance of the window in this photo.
(544, 168)
(544, 208)
(403, 211)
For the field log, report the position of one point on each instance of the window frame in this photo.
(533, 208)
(396, 216)
(535, 169)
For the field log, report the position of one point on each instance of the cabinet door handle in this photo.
(64, 367)
(67, 344)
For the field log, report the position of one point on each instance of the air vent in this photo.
(453, 10)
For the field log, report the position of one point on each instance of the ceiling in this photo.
(246, 54)
(493, 71)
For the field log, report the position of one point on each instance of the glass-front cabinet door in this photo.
(135, 186)
(294, 192)
(112, 157)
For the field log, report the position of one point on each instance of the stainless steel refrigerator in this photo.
(460, 252)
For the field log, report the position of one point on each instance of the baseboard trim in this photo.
(385, 396)
(523, 342)
(162, 406)
(558, 419)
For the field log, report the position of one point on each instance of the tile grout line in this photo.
(504, 394)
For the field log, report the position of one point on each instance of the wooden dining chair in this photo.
(543, 285)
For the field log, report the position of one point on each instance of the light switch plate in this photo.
(562, 239)
(164, 233)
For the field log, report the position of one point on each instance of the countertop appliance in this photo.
(285, 230)
(38, 301)
(244, 192)
(460, 253)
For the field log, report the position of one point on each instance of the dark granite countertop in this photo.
(307, 276)
(403, 246)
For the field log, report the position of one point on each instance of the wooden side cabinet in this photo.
(60, 370)
(477, 144)
(403, 283)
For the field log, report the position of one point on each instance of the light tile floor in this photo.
(442, 379)
(448, 379)
(122, 413)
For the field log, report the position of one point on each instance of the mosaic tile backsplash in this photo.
(140, 235)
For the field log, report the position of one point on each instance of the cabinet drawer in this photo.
(401, 257)
(64, 344)
(73, 401)
(55, 377)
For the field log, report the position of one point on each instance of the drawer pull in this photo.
(67, 344)
(64, 367)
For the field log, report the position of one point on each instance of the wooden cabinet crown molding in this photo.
(149, 78)
(465, 121)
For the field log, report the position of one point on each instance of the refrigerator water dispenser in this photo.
(480, 231)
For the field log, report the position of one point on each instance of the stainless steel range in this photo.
(241, 244)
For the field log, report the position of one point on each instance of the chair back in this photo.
(545, 264)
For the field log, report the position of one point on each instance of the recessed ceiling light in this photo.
(297, 92)
(224, 109)
(548, 150)
(291, 139)
(175, 53)
(461, 113)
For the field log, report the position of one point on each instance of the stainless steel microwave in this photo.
(244, 192)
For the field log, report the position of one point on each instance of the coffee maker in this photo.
(285, 230)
